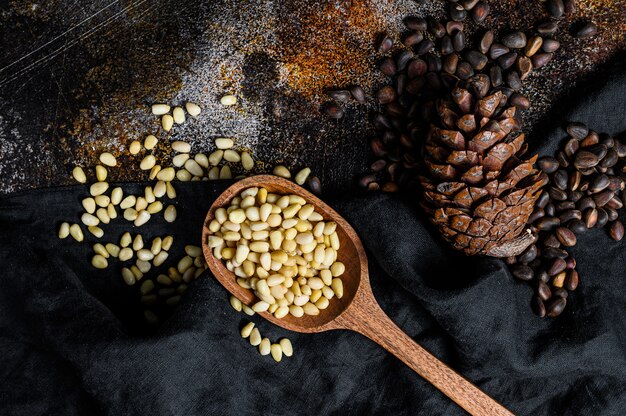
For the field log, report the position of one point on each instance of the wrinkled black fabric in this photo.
(71, 338)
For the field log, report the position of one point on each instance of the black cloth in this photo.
(71, 341)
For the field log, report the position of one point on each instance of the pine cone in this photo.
(478, 190)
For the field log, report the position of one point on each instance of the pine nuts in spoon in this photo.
(278, 252)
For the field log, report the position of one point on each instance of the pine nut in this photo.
(154, 172)
(255, 337)
(228, 100)
(147, 162)
(89, 204)
(170, 191)
(116, 195)
(302, 176)
(166, 175)
(337, 269)
(146, 287)
(183, 175)
(136, 272)
(128, 276)
(265, 346)
(235, 303)
(246, 161)
(164, 280)
(181, 147)
(134, 148)
(89, 220)
(247, 310)
(138, 242)
(125, 254)
(98, 188)
(286, 346)
(194, 110)
(160, 258)
(64, 230)
(150, 142)
(337, 286)
(170, 213)
(102, 200)
(231, 156)
(282, 171)
(128, 202)
(99, 262)
(108, 159)
(167, 243)
(167, 122)
(225, 172)
(260, 306)
(143, 217)
(143, 266)
(154, 207)
(79, 174)
(160, 109)
(192, 166)
(145, 255)
(178, 115)
(101, 173)
(247, 329)
(180, 159)
(277, 352)
(224, 143)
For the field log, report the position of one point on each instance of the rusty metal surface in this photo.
(76, 78)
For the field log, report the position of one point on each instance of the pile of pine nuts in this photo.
(101, 208)
(282, 249)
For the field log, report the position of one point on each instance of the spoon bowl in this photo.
(351, 254)
(357, 310)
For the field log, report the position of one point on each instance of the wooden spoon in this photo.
(357, 310)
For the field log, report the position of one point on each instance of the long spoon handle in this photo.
(372, 322)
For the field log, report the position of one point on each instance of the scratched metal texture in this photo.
(77, 77)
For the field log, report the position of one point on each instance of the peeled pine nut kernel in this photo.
(178, 115)
(277, 352)
(170, 213)
(264, 346)
(79, 174)
(108, 159)
(255, 337)
(235, 303)
(147, 162)
(167, 122)
(99, 262)
(246, 161)
(160, 109)
(302, 176)
(194, 110)
(228, 100)
(150, 142)
(134, 147)
(98, 188)
(286, 346)
(181, 147)
(64, 230)
(282, 171)
(142, 217)
(89, 204)
(224, 143)
(101, 173)
(76, 232)
(247, 329)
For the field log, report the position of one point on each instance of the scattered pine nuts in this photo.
(99, 262)
(235, 303)
(286, 346)
(302, 176)
(277, 352)
(96, 231)
(147, 163)
(264, 346)
(79, 174)
(181, 147)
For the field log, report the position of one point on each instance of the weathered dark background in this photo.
(77, 77)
